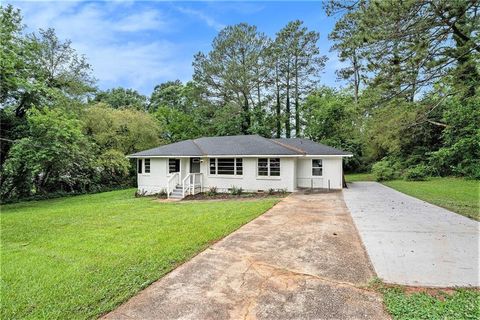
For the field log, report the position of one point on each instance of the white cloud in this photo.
(122, 42)
(210, 21)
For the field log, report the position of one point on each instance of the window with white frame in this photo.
(268, 167)
(173, 165)
(139, 166)
(226, 166)
(147, 165)
(317, 167)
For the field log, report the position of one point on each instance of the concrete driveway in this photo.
(412, 242)
(302, 259)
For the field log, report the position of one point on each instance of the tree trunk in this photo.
(278, 114)
(297, 106)
(356, 76)
(287, 113)
(246, 115)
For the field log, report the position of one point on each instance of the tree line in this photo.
(410, 107)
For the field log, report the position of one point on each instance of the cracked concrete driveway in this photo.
(302, 259)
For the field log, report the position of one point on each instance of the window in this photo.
(239, 166)
(139, 165)
(213, 166)
(317, 167)
(263, 166)
(275, 167)
(269, 167)
(147, 165)
(173, 165)
(227, 166)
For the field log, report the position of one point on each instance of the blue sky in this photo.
(141, 44)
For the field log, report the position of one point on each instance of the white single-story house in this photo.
(250, 162)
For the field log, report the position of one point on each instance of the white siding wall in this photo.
(292, 172)
(156, 180)
(249, 181)
(332, 172)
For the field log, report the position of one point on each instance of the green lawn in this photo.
(405, 303)
(461, 304)
(455, 194)
(352, 177)
(79, 257)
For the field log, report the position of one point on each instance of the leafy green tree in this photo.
(56, 156)
(229, 73)
(299, 63)
(112, 168)
(126, 130)
(118, 98)
(176, 124)
(332, 118)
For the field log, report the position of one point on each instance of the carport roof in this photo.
(244, 145)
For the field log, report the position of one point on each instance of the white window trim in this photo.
(311, 171)
(269, 177)
(234, 175)
(168, 166)
(147, 173)
(143, 167)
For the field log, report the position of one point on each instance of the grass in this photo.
(405, 303)
(353, 177)
(80, 257)
(458, 305)
(455, 194)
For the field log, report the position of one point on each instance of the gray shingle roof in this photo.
(240, 145)
(311, 147)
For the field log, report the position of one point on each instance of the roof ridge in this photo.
(196, 145)
(288, 146)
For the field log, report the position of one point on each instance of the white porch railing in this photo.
(172, 183)
(191, 183)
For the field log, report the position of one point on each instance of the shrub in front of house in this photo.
(236, 191)
(212, 191)
(385, 170)
(418, 173)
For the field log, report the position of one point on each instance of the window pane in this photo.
(317, 163)
(173, 165)
(275, 166)
(147, 165)
(213, 169)
(262, 166)
(139, 166)
(317, 167)
(226, 166)
(239, 163)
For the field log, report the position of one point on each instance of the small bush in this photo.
(385, 170)
(236, 191)
(282, 191)
(211, 191)
(162, 194)
(141, 193)
(271, 191)
(418, 173)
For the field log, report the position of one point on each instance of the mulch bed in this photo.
(227, 196)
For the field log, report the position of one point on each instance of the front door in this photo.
(194, 165)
